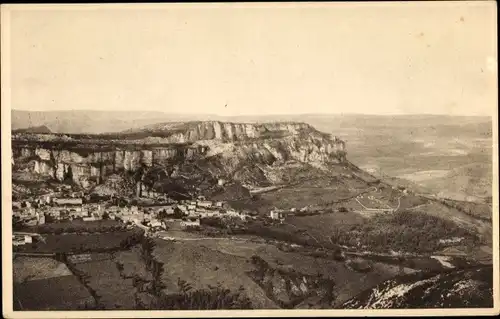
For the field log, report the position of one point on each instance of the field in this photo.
(77, 226)
(56, 293)
(104, 278)
(133, 264)
(228, 262)
(28, 268)
(202, 267)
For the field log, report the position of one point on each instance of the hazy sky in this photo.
(340, 58)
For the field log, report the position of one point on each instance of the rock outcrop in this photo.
(90, 158)
(461, 288)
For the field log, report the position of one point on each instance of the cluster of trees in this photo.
(154, 266)
(178, 214)
(80, 227)
(213, 222)
(187, 298)
(479, 211)
(318, 284)
(406, 231)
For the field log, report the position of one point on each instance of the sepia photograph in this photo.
(249, 159)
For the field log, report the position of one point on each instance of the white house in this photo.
(68, 201)
(16, 204)
(155, 223)
(276, 214)
(18, 240)
(187, 223)
(41, 219)
(232, 213)
(206, 204)
(28, 239)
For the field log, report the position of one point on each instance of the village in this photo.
(156, 213)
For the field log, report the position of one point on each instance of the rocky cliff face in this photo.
(185, 132)
(96, 165)
(92, 158)
(290, 289)
(453, 289)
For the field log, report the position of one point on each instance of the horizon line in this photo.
(256, 114)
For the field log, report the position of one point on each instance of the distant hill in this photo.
(469, 182)
(93, 122)
(42, 129)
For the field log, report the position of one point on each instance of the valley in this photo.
(220, 215)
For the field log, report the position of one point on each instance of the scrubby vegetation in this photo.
(404, 231)
(212, 298)
(76, 226)
(78, 243)
(476, 210)
(187, 298)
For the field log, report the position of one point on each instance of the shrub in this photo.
(406, 231)
(204, 299)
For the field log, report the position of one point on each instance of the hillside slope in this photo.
(462, 288)
(222, 149)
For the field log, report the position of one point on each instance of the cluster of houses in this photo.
(186, 212)
(57, 209)
(21, 239)
(280, 214)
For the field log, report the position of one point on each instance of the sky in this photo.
(374, 58)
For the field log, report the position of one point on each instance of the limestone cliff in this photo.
(455, 288)
(90, 158)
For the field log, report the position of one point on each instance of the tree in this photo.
(162, 214)
(178, 213)
(105, 216)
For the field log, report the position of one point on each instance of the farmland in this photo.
(104, 278)
(57, 293)
(76, 226)
(27, 268)
(228, 262)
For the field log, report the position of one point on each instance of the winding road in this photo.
(382, 209)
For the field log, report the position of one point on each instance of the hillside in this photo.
(407, 147)
(35, 129)
(91, 121)
(350, 230)
(468, 182)
(462, 288)
(192, 153)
